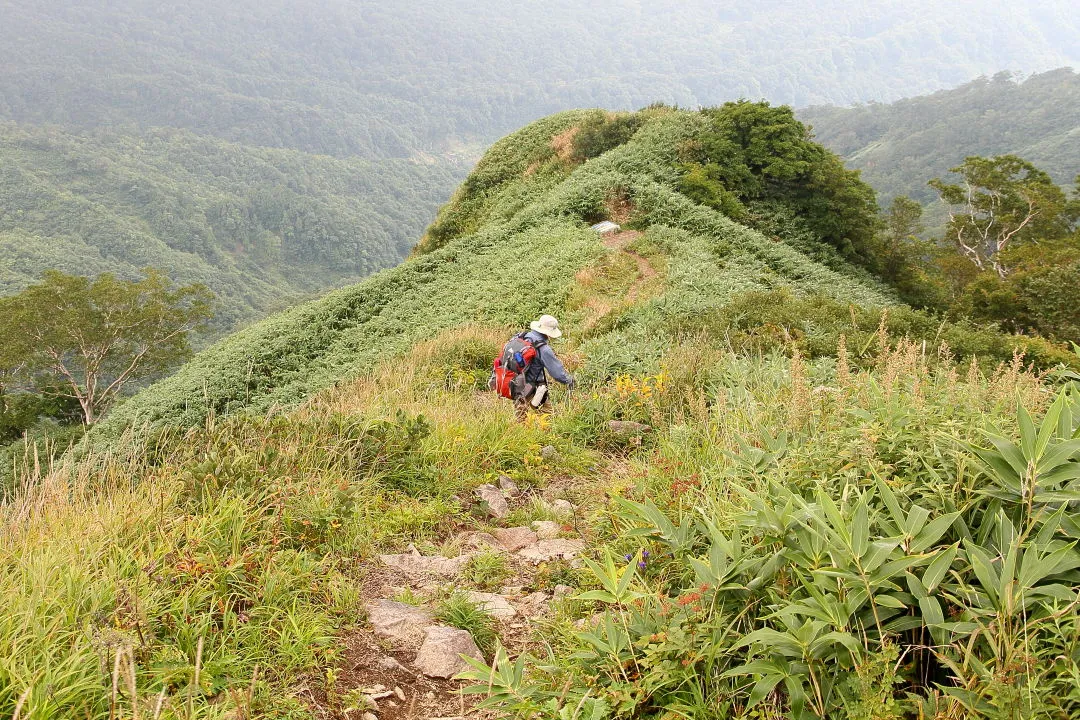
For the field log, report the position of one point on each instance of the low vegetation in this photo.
(843, 508)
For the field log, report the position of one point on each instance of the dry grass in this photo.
(563, 144)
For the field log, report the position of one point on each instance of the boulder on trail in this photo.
(495, 500)
(440, 654)
(515, 538)
(494, 605)
(626, 427)
(400, 623)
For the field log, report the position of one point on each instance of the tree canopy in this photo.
(87, 339)
(1001, 202)
(757, 154)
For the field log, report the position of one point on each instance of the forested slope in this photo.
(902, 145)
(261, 227)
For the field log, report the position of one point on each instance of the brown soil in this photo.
(361, 667)
(620, 241)
(599, 308)
(563, 143)
(619, 208)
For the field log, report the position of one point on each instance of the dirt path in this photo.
(383, 669)
(600, 308)
(619, 241)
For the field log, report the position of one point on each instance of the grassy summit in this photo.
(807, 529)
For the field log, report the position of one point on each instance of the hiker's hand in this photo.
(570, 385)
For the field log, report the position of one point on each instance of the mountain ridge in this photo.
(532, 205)
(754, 417)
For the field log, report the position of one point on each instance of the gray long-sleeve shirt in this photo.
(551, 362)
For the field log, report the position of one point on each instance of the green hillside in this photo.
(530, 231)
(770, 495)
(262, 228)
(526, 199)
(135, 133)
(902, 145)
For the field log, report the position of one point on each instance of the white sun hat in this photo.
(547, 325)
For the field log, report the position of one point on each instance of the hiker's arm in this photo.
(554, 366)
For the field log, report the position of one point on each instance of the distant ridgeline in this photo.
(901, 145)
(755, 225)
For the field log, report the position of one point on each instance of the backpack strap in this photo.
(537, 344)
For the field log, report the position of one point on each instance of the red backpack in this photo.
(518, 354)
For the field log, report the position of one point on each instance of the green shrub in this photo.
(460, 612)
(761, 322)
(791, 582)
(602, 133)
(487, 570)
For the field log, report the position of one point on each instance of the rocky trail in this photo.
(401, 663)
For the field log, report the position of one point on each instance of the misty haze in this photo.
(552, 360)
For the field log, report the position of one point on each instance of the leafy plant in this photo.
(487, 569)
(460, 612)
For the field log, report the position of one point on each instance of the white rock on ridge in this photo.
(495, 500)
(423, 565)
(440, 654)
(546, 529)
(559, 548)
(400, 623)
(515, 538)
(494, 605)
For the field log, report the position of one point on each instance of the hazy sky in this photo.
(452, 68)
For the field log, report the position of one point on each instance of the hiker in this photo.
(527, 359)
